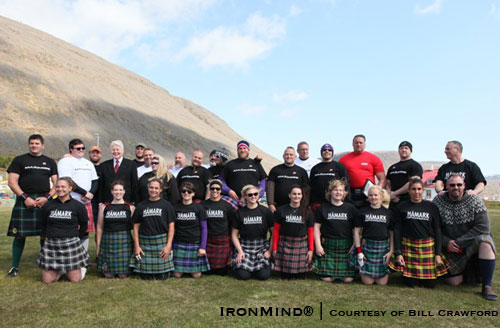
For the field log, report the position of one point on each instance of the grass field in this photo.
(97, 302)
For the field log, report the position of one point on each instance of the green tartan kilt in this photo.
(374, 251)
(25, 222)
(186, 258)
(151, 262)
(335, 262)
(115, 252)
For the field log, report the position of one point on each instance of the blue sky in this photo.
(279, 72)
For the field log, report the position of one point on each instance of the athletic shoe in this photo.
(83, 272)
(488, 293)
(13, 272)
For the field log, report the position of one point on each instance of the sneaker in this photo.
(83, 272)
(488, 293)
(13, 272)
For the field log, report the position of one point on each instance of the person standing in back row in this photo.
(304, 161)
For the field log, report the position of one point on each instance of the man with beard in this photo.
(465, 228)
(95, 155)
(243, 171)
(29, 178)
(324, 172)
(179, 163)
(197, 175)
(139, 154)
(281, 179)
(148, 156)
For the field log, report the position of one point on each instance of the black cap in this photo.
(407, 144)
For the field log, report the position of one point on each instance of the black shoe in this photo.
(488, 293)
(13, 272)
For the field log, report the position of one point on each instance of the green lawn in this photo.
(97, 302)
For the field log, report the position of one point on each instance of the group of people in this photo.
(339, 218)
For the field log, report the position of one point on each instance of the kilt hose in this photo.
(291, 255)
(419, 259)
(25, 222)
(151, 262)
(219, 251)
(63, 254)
(335, 262)
(186, 259)
(115, 252)
(374, 251)
(254, 255)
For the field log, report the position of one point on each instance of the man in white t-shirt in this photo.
(83, 173)
(304, 161)
(148, 156)
(178, 164)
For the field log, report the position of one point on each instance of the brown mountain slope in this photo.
(51, 87)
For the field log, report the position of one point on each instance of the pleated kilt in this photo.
(458, 261)
(90, 214)
(374, 251)
(151, 262)
(186, 258)
(335, 262)
(63, 254)
(419, 259)
(254, 255)
(291, 255)
(25, 221)
(115, 252)
(219, 251)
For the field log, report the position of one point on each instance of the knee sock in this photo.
(17, 251)
(487, 268)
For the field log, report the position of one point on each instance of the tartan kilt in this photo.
(234, 203)
(254, 255)
(458, 261)
(115, 252)
(151, 262)
(25, 221)
(335, 262)
(374, 251)
(291, 255)
(186, 259)
(90, 214)
(219, 251)
(419, 259)
(63, 254)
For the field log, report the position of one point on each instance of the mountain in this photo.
(51, 87)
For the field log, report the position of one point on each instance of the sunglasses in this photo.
(255, 194)
(326, 150)
(453, 185)
(185, 191)
(214, 189)
(155, 163)
(79, 148)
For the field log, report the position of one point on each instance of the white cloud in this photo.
(104, 27)
(252, 110)
(236, 46)
(290, 97)
(295, 11)
(434, 8)
(495, 10)
(288, 113)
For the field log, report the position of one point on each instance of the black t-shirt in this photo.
(198, 176)
(97, 197)
(321, 175)
(216, 171)
(240, 172)
(154, 216)
(292, 221)
(117, 217)
(61, 220)
(284, 177)
(336, 221)
(34, 172)
(400, 173)
(469, 171)
(253, 223)
(376, 223)
(137, 163)
(417, 221)
(188, 222)
(220, 216)
(170, 189)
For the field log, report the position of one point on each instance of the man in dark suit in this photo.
(118, 168)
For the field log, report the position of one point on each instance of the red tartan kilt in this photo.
(90, 213)
(219, 251)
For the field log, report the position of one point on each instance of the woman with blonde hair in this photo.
(333, 234)
(375, 227)
(249, 236)
(160, 171)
